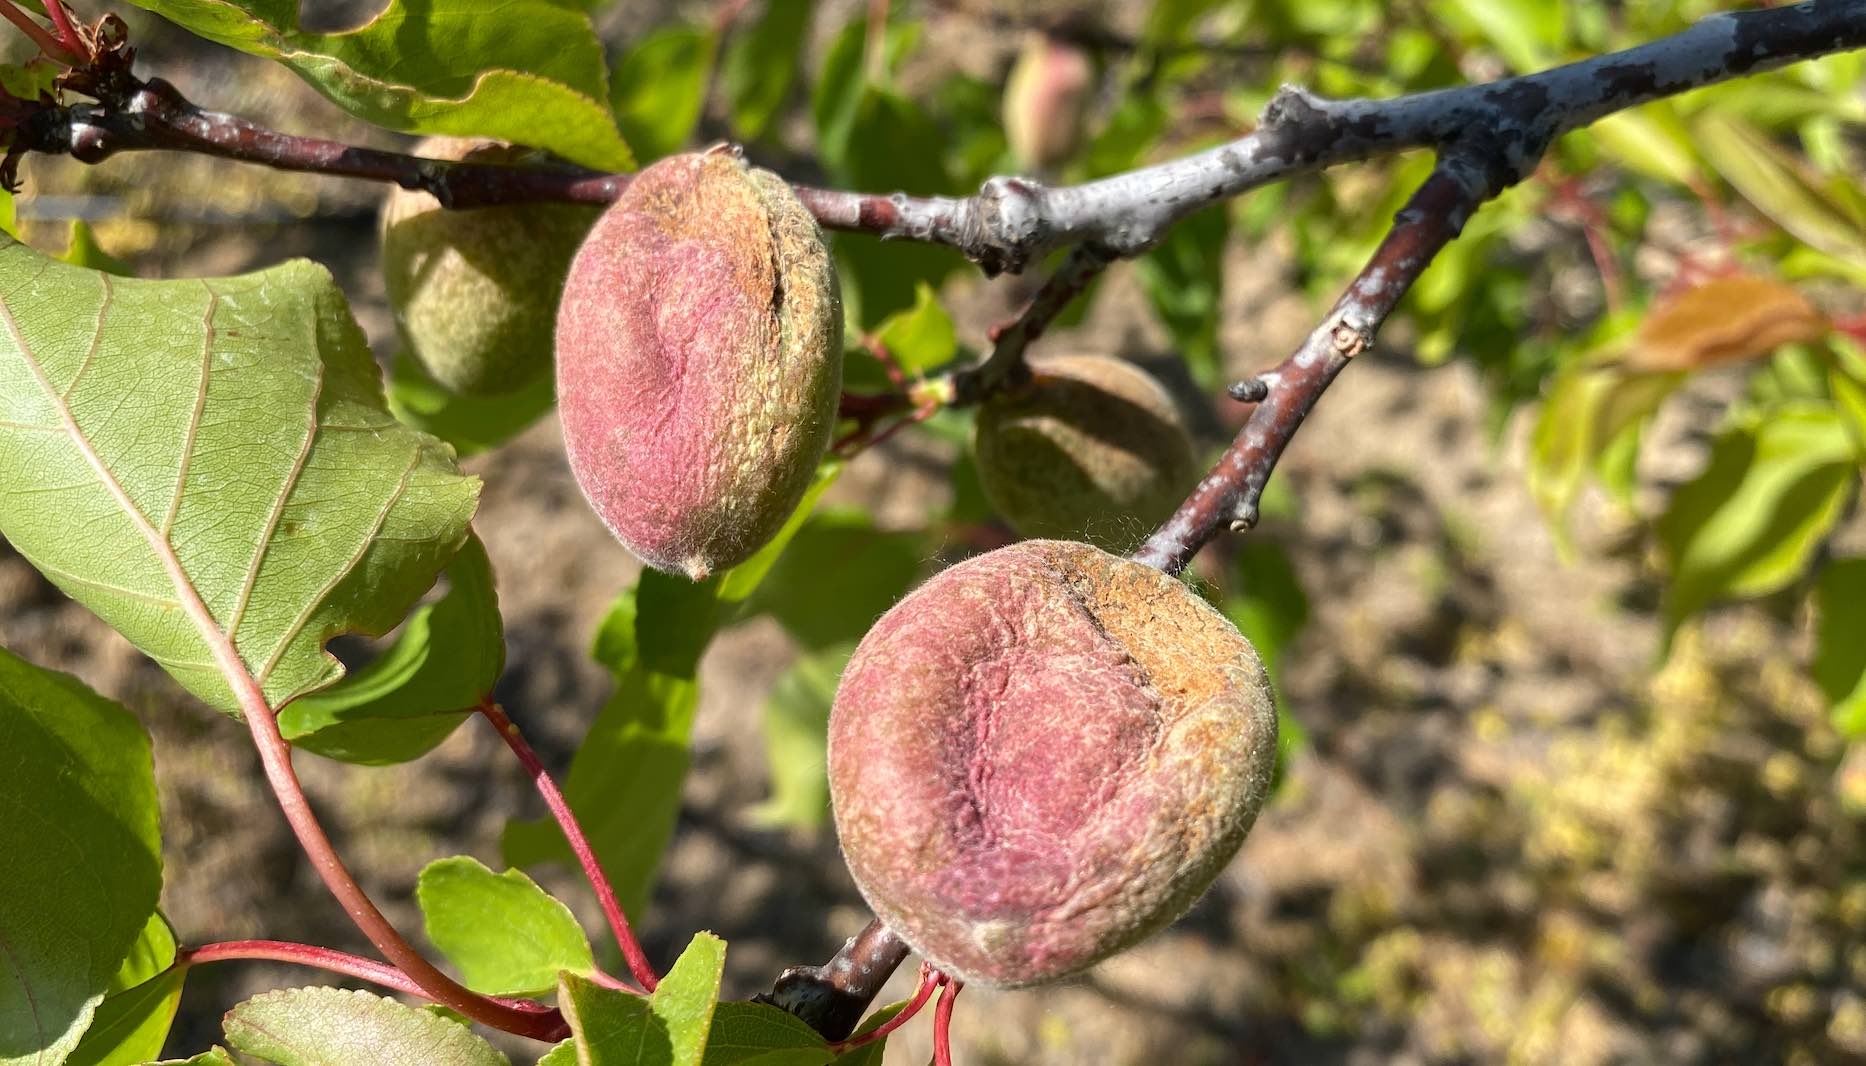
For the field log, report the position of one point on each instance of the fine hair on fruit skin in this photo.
(699, 361)
(475, 292)
(1090, 448)
(1043, 755)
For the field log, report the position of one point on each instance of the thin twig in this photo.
(1228, 496)
(632, 953)
(330, 960)
(1005, 366)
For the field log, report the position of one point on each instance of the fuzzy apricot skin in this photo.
(1043, 755)
(475, 292)
(699, 361)
(1091, 448)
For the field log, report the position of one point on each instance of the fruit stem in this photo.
(632, 953)
(49, 44)
(942, 1021)
(929, 980)
(328, 959)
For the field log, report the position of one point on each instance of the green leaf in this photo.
(1850, 397)
(83, 861)
(660, 88)
(447, 657)
(84, 251)
(758, 1034)
(838, 576)
(1588, 411)
(1183, 279)
(796, 724)
(1778, 185)
(134, 1019)
(624, 782)
(685, 999)
(254, 500)
(132, 1025)
(1650, 140)
(214, 1056)
(1749, 523)
(1526, 33)
(564, 1054)
(670, 1028)
(507, 936)
(1840, 643)
(923, 338)
(760, 64)
(532, 72)
(341, 1027)
(472, 424)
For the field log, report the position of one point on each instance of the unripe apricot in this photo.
(475, 291)
(1046, 101)
(1043, 755)
(1091, 448)
(699, 361)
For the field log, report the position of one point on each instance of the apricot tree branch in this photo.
(1011, 221)
(1228, 496)
(831, 998)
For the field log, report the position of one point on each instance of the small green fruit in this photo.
(1043, 755)
(1091, 448)
(699, 361)
(475, 292)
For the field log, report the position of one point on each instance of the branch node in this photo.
(1250, 390)
(1245, 517)
(1009, 225)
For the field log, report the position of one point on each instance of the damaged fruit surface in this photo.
(1091, 448)
(699, 361)
(1043, 755)
(475, 292)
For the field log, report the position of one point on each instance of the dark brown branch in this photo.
(1011, 221)
(832, 997)
(1228, 497)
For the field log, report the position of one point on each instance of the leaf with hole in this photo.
(223, 445)
(447, 657)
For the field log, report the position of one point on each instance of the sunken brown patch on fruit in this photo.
(1043, 755)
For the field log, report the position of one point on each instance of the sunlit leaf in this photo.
(254, 500)
(507, 936)
(1779, 186)
(670, 1028)
(338, 1027)
(532, 74)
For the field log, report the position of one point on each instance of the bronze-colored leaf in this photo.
(1724, 320)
